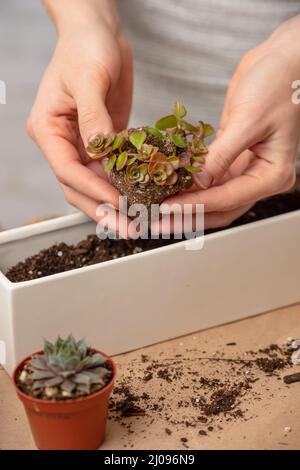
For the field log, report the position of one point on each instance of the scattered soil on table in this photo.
(205, 403)
(62, 257)
(291, 378)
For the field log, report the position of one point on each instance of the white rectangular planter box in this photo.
(148, 297)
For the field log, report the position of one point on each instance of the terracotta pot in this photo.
(71, 424)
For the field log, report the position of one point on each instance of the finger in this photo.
(98, 168)
(90, 94)
(119, 97)
(239, 135)
(67, 166)
(211, 220)
(223, 219)
(114, 220)
(263, 180)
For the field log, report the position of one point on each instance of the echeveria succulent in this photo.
(66, 369)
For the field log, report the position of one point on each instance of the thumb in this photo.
(230, 143)
(93, 116)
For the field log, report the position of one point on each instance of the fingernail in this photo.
(203, 179)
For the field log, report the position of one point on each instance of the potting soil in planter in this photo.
(62, 257)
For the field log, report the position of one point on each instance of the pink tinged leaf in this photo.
(143, 169)
(146, 179)
(174, 162)
(102, 154)
(184, 160)
(172, 179)
(169, 169)
(158, 157)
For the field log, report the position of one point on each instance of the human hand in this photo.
(86, 89)
(254, 153)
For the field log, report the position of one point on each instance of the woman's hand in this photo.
(254, 153)
(86, 89)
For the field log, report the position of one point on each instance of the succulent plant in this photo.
(162, 169)
(66, 369)
(145, 162)
(101, 145)
(137, 173)
(149, 164)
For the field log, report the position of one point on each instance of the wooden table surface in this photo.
(272, 411)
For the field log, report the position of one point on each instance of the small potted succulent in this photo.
(65, 390)
(149, 164)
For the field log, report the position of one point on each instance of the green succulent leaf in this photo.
(94, 378)
(178, 140)
(42, 374)
(155, 132)
(188, 127)
(118, 141)
(54, 382)
(193, 169)
(84, 388)
(38, 362)
(81, 378)
(208, 130)
(67, 373)
(198, 147)
(167, 122)
(198, 159)
(48, 347)
(68, 386)
(97, 359)
(111, 163)
(82, 346)
(179, 110)
(137, 139)
(38, 384)
(101, 371)
(121, 161)
(131, 160)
